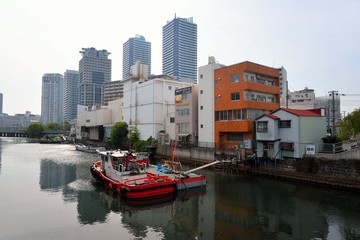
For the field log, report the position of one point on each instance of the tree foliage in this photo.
(53, 126)
(119, 135)
(35, 130)
(67, 126)
(134, 136)
(350, 126)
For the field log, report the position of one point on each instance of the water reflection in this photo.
(230, 207)
(264, 209)
(173, 217)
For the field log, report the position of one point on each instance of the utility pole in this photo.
(332, 94)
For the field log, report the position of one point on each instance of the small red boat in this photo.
(126, 173)
(148, 187)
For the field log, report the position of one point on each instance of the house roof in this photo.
(304, 113)
(271, 116)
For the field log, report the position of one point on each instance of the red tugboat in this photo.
(125, 172)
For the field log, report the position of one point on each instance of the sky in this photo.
(317, 41)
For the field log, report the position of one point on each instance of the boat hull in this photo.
(148, 187)
(142, 186)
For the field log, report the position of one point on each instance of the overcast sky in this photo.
(317, 41)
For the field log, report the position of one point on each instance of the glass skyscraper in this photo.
(136, 49)
(52, 98)
(94, 70)
(71, 94)
(179, 49)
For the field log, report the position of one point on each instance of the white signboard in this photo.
(310, 149)
(247, 143)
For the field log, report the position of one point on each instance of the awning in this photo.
(183, 134)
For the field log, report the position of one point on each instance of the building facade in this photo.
(186, 115)
(242, 93)
(113, 90)
(18, 121)
(71, 94)
(289, 132)
(136, 49)
(303, 99)
(52, 98)
(179, 49)
(95, 125)
(1, 103)
(283, 84)
(94, 71)
(150, 105)
(206, 125)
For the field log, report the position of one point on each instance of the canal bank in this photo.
(335, 173)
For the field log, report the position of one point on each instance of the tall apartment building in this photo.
(94, 70)
(206, 103)
(52, 98)
(71, 94)
(243, 92)
(136, 49)
(113, 90)
(179, 49)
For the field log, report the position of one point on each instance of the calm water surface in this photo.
(46, 192)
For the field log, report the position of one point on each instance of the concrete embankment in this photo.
(340, 173)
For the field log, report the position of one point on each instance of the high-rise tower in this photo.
(52, 98)
(179, 49)
(71, 94)
(136, 49)
(94, 70)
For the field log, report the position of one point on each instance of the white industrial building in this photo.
(206, 103)
(149, 104)
(96, 124)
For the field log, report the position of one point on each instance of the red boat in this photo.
(126, 173)
(148, 187)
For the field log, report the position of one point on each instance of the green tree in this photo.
(350, 126)
(53, 126)
(67, 126)
(35, 130)
(119, 135)
(134, 136)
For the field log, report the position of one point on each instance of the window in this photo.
(235, 136)
(201, 107)
(201, 126)
(237, 114)
(285, 124)
(201, 76)
(172, 119)
(287, 146)
(235, 78)
(183, 127)
(169, 87)
(201, 91)
(235, 96)
(183, 112)
(262, 126)
(221, 115)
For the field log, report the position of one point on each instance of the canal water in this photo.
(46, 192)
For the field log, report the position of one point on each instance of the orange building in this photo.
(243, 92)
